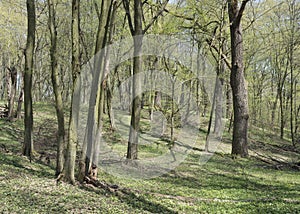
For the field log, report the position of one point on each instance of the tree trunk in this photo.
(12, 91)
(28, 118)
(132, 150)
(57, 90)
(108, 78)
(137, 33)
(228, 100)
(282, 116)
(172, 117)
(293, 20)
(237, 81)
(70, 154)
(219, 99)
(20, 102)
(109, 106)
(89, 156)
(211, 117)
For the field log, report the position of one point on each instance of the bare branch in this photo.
(241, 11)
(179, 16)
(156, 16)
(224, 57)
(127, 10)
(261, 15)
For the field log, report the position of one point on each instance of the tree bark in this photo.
(108, 87)
(28, 118)
(137, 33)
(20, 102)
(219, 93)
(292, 10)
(89, 155)
(57, 90)
(12, 89)
(237, 81)
(70, 154)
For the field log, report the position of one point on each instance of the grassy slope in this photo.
(222, 185)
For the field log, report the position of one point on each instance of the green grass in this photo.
(222, 185)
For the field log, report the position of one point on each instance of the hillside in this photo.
(267, 182)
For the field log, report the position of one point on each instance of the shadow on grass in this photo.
(17, 163)
(220, 175)
(134, 200)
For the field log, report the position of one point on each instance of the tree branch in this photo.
(224, 57)
(241, 11)
(179, 15)
(127, 10)
(156, 16)
(261, 15)
(97, 10)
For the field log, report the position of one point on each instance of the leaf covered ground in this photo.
(267, 182)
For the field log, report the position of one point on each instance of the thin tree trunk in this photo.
(89, 155)
(274, 109)
(291, 62)
(70, 157)
(20, 100)
(137, 33)
(12, 92)
(60, 141)
(28, 118)
(187, 112)
(173, 80)
(132, 149)
(108, 79)
(282, 123)
(219, 108)
(211, 117)
(109, 106)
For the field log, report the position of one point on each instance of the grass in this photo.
(222, 185)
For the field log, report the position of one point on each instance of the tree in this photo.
(90, 149)
(56, 88)
(12, 88)
(70, 157)
(293, 18)
(28, 119)
(237, 80)
(137, 32)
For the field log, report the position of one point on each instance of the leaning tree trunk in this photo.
(57, 91)
(88, 165)
(237, 81)
(28, 118)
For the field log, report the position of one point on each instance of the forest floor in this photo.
(266, 182)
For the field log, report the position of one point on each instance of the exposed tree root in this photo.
(100, 184)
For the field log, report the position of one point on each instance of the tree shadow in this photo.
(15, 162)
(222, 175)
(133, 199)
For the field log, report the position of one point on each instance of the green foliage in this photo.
(13, 25)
